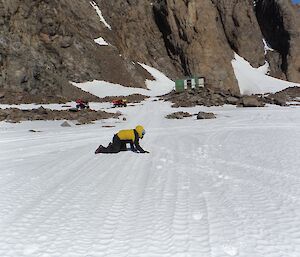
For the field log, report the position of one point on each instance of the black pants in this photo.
(116, 146)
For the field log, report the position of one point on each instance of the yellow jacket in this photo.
(129, 134)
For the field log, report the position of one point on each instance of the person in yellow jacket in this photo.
(120, 140)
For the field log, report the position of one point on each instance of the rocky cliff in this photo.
(45, 44)
(280, 24)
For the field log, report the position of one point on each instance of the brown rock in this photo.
(178, 115)
(205, 115)
(41, 110)
(201, 96)
(251, 101)
(83, 120)
(3, 115)
(291, 94)
(232, 100)
(65, 124)
(84, 117)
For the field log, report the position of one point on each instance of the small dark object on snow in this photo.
(205, 115)
(178, 115)
(40, 110)
(65, 124)
(108, 126)
(80, 104)
(73, 110)
(119, 103)
(33, 130)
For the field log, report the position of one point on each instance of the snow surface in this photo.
(100, 41)
(95, 6)
(213, 188)
(160, 86)
(255, 81)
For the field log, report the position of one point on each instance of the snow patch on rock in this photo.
(267, 46)
(100, 41)
(254, 80)
(160, 86)
(95, 6)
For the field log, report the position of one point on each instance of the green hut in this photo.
(189, 83)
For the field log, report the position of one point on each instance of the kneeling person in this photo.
(119, 141)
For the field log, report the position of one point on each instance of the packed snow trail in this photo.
(210, 188)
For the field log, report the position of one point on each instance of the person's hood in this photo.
(140, 130)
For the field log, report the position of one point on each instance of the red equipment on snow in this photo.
(80, 104)
(119, 103)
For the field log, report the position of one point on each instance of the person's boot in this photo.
(99, 149)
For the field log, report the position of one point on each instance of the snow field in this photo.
(223, 187)
(211, 188)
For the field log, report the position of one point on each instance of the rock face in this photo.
(280, 25)
(46, 44)
(242, 29)
(195, 40)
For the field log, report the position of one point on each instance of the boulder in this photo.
(205, 115)
(276, 99)
(291, 94)
(232, 100)
(178, 115)
(251, 101)
(65, 124)
(41, 110)
(201, 96)
(3, 115)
